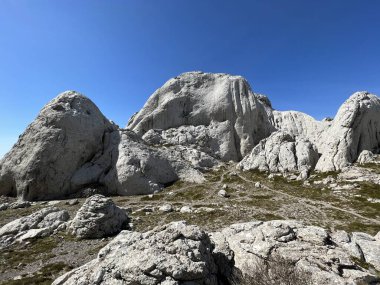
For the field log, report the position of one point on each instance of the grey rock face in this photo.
(63, 149)
(299, 124)
(189, 125)
(355, 128)
(97, 218)
(183, 254)
(171, 254)
(140, 169)
(281, 152)
(366, 156)
(166, 208)
(145, 169)
(370, 247)
(39, 224)
(309, 247)
(223, 105)
(358, 174)
(206, 139)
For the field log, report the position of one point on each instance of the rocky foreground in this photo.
(269, 197)
(180, 253)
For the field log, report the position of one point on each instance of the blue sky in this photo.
(305, 55)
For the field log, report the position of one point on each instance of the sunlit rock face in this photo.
(233, 117)
(355, 128)
(63, 149)
(191, 124)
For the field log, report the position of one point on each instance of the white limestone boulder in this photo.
(225, 108)
(97, 218)
(310, 248)
(39, 224)
(355, 128)
(366, 156)
(63, 149)
(281, 152)
(172, 254)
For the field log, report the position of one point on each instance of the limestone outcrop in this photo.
(327, 257)
(367, 156)
(172, 254)
(355, 128)
(299, 124)
(178, 253)
(98, 217)
(144, 169)
(221, 105)
(190, 125)
(37, 225)
(282, 152)
(64, 149)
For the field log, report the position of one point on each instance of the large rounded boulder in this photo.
(172, 254)
(234, 117)
(355, 128)
(64, 149)
(98, 217)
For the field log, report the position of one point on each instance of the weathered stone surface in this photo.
(145, 169)
(186, 209)
(97, 218)
(181, 254)
(299, 124)
(141, 169)
(15, 205)
(39, 224)
(309, 247)
(223, 105)
(358, 174)
(366, 156)
(63, 149)
(188, 126)
(223, 193)
(171, 254)
(166, 208)
(281, 152)
(19, 205)
(369, 246)
(355, 128)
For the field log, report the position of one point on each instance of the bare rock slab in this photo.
(39, 224)
(172, 254)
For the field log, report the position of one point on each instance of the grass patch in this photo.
(373, 166)
(40, 249)
(356, 226)
(360, 262)
(322, 175)
(267, 217)
(96, 249)
(45, 275)
(13, 214)
(371, 190)
(196, 192)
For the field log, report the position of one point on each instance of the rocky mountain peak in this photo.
(189, 125)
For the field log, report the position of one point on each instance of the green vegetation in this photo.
(40, 249)
(322, 175)
(359, 226)
(373, 166)
(12, 214)
(45, 275)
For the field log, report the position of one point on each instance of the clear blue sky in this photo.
(305, 55)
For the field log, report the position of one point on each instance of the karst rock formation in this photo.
(192, 123)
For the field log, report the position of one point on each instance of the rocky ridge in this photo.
(193, 123)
